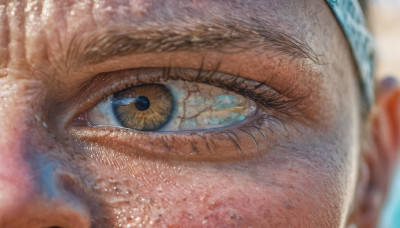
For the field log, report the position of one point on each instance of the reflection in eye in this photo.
(174, 105)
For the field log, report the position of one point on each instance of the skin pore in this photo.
(56, 64)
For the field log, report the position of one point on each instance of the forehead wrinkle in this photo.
(4, 38)
(223, 34)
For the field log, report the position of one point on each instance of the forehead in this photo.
(141, 11)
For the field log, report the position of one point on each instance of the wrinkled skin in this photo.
(53, 174)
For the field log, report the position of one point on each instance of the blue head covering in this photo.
(351, 18)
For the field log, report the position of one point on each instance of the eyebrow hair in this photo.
(228, 35)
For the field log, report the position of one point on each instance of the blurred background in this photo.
(385, 24)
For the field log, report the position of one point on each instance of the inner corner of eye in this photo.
(171, 106)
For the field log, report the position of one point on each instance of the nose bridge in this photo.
(20, 103)
(32, 190)
(15, 172)
(17, 110)
(19, 100)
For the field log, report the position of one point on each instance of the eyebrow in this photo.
(228, 35)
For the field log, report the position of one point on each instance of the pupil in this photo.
(142, 103)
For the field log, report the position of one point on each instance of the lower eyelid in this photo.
(244, 142)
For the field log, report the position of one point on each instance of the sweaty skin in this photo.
(53, 173)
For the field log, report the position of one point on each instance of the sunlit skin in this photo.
(316, 172)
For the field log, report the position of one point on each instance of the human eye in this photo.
(172, 106)
(185, 113)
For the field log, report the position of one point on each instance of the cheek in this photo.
(277, 189)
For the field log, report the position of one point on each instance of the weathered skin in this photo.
(50, 176)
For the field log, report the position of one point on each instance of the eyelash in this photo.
(270, 99)
(265, 126)
(274, 100)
